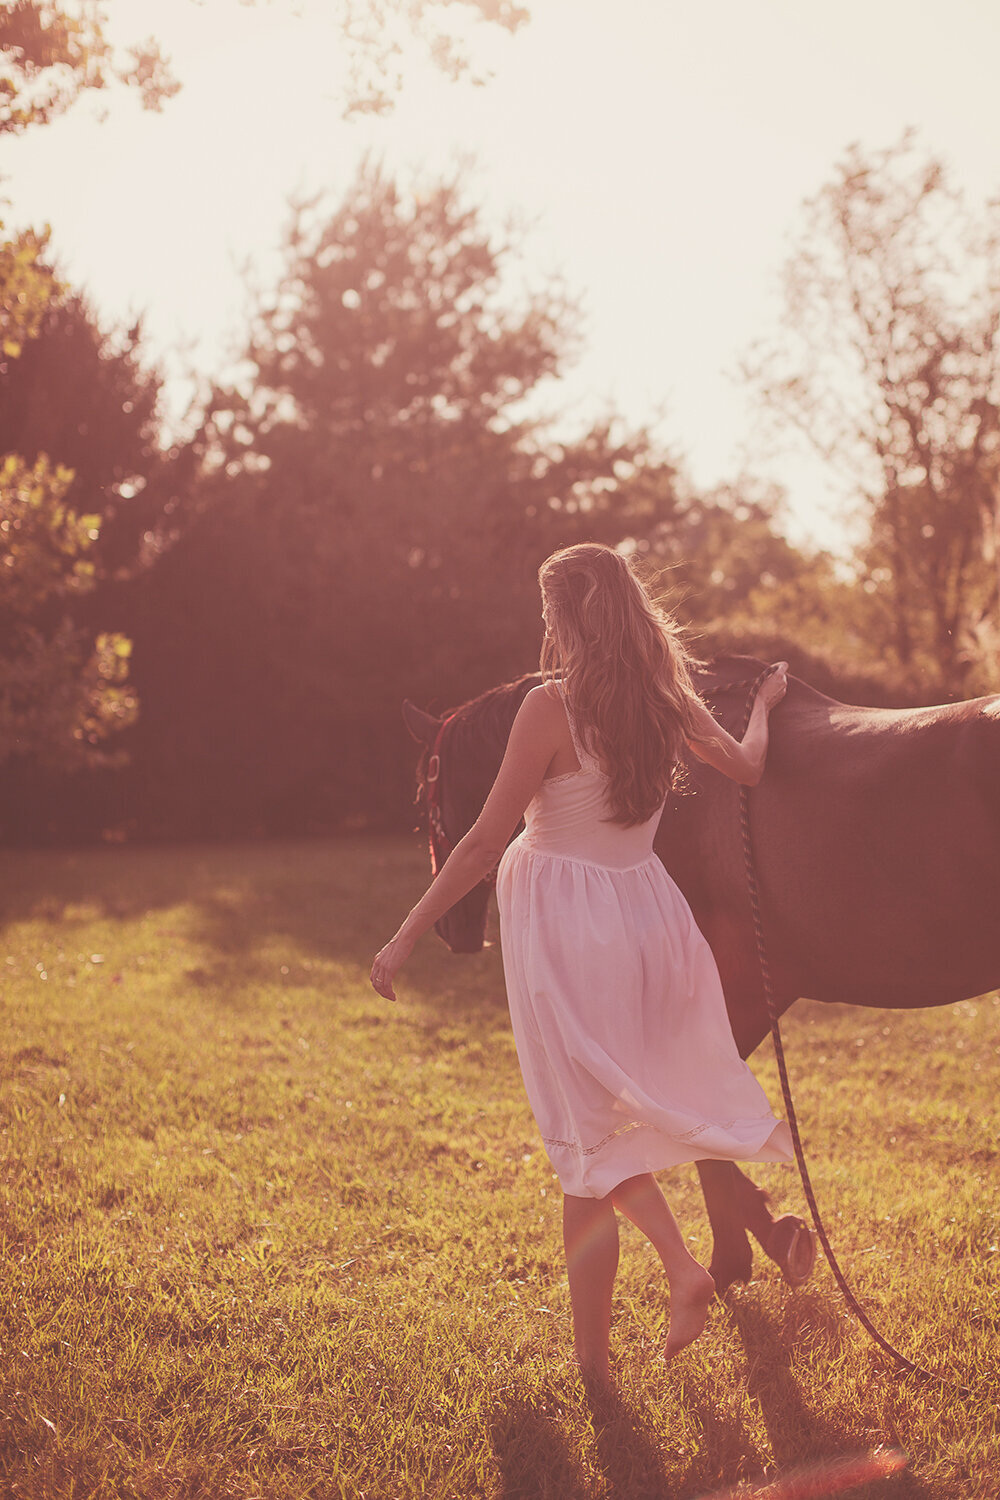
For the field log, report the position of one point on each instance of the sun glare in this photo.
(659, 172)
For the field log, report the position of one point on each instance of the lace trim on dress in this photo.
(580, 771)
(587, 761)
(589, 1150)
(563, 776)
(679, 1135)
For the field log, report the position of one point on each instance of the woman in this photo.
(616, 1004)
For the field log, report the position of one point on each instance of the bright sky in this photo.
(658, 152)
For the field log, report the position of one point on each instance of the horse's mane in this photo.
(492, 708)
(483, 723)
(491, 711)
(490, 714)
(485, 720)
(726, 671)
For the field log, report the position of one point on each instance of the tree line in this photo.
(214, 636)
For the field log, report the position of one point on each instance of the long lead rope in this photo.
(909, 1366)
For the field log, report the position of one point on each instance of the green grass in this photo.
(265, 1234)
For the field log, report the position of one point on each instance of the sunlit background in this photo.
(539, 297)
(269, 509)
(655, 153)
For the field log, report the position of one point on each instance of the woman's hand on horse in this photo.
(387, 963)
(775, 685)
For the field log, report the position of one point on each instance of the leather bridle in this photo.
(440, 844)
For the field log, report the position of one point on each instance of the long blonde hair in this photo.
(625, 672)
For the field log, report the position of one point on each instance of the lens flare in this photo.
(819, 1480)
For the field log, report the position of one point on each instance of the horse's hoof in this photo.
(792, 1246)
(726, 1276)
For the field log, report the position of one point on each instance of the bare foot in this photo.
(689, 1301)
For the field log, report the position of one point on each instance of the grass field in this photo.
(264, 1234)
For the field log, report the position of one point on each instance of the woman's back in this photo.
(570, 817)
(615, 999)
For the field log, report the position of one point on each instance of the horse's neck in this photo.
(513, 704)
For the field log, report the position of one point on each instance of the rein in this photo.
(908, 1366)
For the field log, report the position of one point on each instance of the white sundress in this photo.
(616, 1004)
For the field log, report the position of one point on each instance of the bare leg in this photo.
(691, 1287)
(590, 1234)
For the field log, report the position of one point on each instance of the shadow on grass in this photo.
(533, 1457)
(797, 1432)
(241, 890)
(535, 1461)
(241, 904)
(800, 1435)
(627, 1449)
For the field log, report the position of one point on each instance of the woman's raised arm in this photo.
(740, 760)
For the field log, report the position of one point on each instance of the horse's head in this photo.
(458, 764)
(451, 797)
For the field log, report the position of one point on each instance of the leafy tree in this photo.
(738, 584)
(85, 496)
(889, 363)
(84, 393)
(27, 286)
(375, 34)
(69, 528)
(52, 52)
(63, 690)
(374, 504)
(719, 548)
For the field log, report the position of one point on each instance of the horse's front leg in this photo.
(732, 1258)
(736, 1205)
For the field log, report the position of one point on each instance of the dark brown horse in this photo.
(876, 837)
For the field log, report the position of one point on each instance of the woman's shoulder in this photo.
(544, 701)
(541, 719)
(549, 691)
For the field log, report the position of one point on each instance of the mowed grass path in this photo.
(264, 1234)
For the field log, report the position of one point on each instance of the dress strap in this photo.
(587, 761)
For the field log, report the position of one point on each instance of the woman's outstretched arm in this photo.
(534, 739)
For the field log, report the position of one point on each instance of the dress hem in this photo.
(651, 1150)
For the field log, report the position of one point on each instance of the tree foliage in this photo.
(377, 34)
(84, 393)
(27, 286)
(373, 507)
(70, 527)
(51, 52)
(889, 363)
(63, 689)
(718, 549)
(62, 693)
